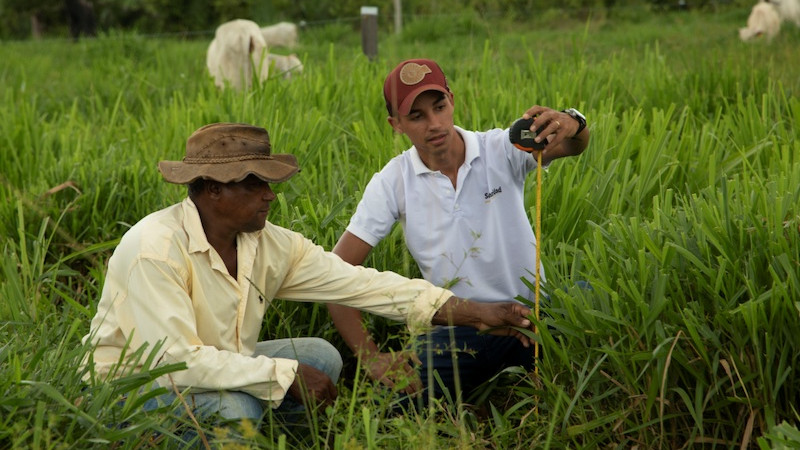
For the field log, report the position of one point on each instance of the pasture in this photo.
(683, 214)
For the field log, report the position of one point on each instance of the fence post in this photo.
(398, 16)
(369, 31)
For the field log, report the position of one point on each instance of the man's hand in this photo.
(499, 317)
(393, 370)
(312, 387)
(560, 129)
(495, 317)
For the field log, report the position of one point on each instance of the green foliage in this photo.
(432, 28)
(682, 215)
(319, 10)
(192, 17)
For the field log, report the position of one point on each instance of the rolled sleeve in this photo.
(320, 276)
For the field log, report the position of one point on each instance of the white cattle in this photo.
(789, 10)
(283, 65)
(763, 21)
(282, 34)
(237, 48)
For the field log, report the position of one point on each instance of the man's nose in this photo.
(434, 121)
(269, 194)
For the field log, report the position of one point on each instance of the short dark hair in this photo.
(196, 187)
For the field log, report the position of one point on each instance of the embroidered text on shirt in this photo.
(496, 190)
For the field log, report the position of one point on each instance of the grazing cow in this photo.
(237, 48)
(789, 10)
(282, 34)
(282, 65)
(763, 21)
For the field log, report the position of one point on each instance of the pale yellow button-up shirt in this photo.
(166, 283)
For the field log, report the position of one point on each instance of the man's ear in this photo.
(213, 189)
(395, 123)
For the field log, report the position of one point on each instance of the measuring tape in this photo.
(522, 138)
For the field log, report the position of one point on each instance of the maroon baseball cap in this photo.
(409, 79)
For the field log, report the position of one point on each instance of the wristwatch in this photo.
(575, 114)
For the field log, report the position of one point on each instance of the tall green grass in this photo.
(682, 215)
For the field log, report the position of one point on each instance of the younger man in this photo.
(459, 197)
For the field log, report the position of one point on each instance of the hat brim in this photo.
(405, 106)
(275, 169)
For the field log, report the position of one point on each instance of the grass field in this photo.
(683, 214)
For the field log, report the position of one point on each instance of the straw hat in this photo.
(229, 152)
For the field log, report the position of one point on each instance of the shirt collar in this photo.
(472, 151)
(198, 242)
(194, 227)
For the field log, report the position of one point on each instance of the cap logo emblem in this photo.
(413, 73)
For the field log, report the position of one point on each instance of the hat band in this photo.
(224, 160)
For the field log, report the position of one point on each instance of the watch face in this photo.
(575, 113)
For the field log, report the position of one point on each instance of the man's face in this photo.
(244, 206)
(429, 124)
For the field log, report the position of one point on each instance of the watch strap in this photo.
(575, 114)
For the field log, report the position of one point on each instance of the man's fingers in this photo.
(394, 371)
(514, 315)
(413, 356)
(386, 380)
(312, 386)
(533, 111)
(525, 340)
(404, 377)
(411, 376)
(407, 380)
(522, 314)
(520, 310)
(325, 394)
(415, 385)
(333, 392)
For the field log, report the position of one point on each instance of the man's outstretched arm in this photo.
(384, 367)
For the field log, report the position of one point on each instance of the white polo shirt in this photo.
(474, 239)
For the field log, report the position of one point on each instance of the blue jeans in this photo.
(313, 351)
(464, 359)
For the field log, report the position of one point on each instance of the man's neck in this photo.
(222, 240)
(449, 161)
(226, 248)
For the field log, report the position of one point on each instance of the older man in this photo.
(199, 275)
